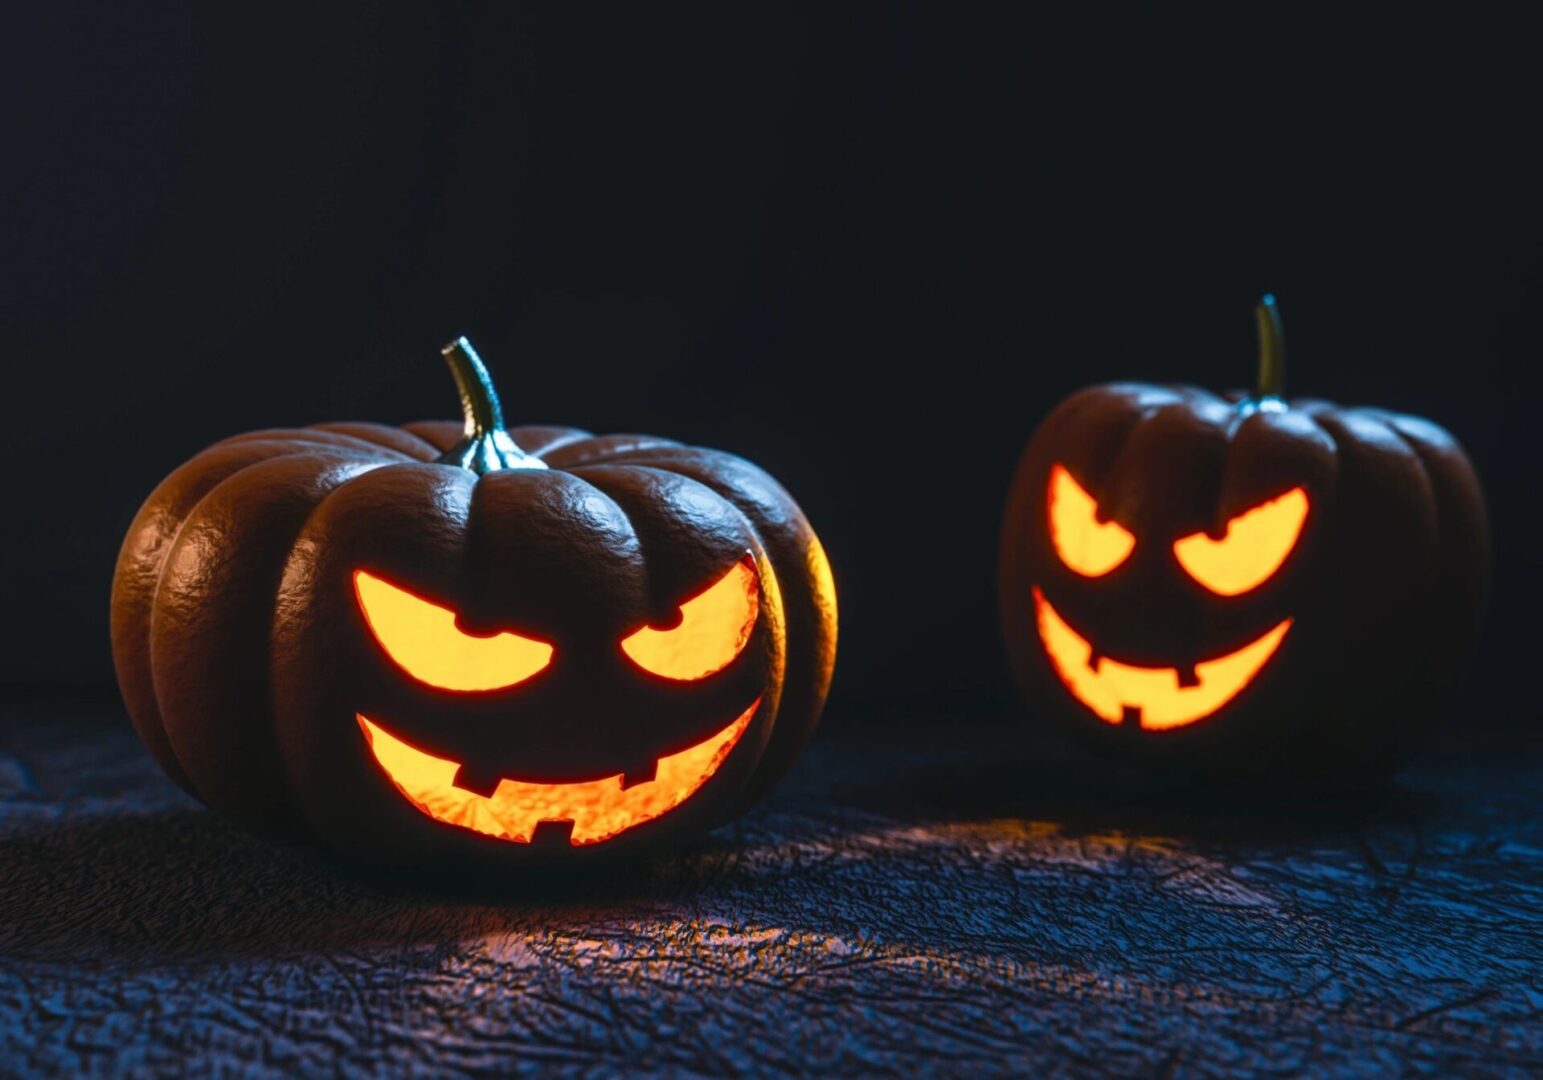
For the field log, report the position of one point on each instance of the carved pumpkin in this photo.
(1242, 584)
(452, 643)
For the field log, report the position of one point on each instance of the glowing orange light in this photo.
(1090, 547)
(1109, 688)
(599, 809)
(1257, 541)
(713, 629)
(423, 640)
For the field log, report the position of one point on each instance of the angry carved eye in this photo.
(1255, 544)
(713, 629)
(423, 640)
(1090, 547)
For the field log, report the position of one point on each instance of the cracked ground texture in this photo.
(926, 894)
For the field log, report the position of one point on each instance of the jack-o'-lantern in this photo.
(457, 643)
(1242, 584)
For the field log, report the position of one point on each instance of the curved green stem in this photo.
(479, 401)
(1272, 351)
(486, 446)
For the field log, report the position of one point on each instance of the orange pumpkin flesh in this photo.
(597, 810)
(421, 638)
(1111, 689)
(1253, 546)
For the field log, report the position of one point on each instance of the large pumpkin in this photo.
(455, 643)
(1242, 584)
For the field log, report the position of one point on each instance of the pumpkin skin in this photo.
(248, 664)
(1375, 606)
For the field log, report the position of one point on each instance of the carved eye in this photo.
(713, 629)
(423, 640)
(1090, 547)
(1255, 544)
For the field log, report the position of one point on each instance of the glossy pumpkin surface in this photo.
(452, 642)
(1243, 584)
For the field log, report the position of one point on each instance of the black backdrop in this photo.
(866, 247)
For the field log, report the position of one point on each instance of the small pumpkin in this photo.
(453, 643)
(1242, 584)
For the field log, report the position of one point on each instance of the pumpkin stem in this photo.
(486, 446)
(479, 401)
(1271, 385)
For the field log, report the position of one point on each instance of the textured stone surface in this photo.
(995, 906)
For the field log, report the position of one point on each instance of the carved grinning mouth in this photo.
(1110, 688)
(599, 809)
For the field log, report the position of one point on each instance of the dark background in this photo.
(866, 247)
